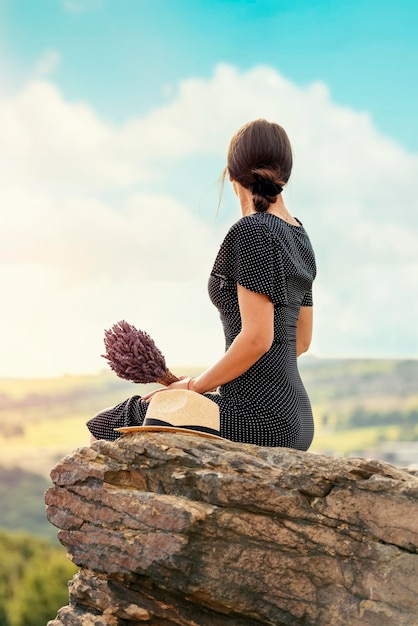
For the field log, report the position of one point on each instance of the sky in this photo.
(115, 118)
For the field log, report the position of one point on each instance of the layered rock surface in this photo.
(179, 529)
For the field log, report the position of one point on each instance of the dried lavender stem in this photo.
(168, 379)
(133, 355)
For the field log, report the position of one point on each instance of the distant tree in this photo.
(22, 502)
(34, 579)
(360, 417)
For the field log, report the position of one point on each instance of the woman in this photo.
(261, 283)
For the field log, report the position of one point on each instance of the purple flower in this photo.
(133, 355)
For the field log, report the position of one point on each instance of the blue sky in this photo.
(125, 57)
(114, 123)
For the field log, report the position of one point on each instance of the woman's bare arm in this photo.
(254, 340)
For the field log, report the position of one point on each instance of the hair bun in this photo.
(264, 187)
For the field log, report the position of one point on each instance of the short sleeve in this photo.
(250, 255)
(307, 299)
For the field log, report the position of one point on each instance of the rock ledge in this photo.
(178, 529)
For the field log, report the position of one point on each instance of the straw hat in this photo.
(180, 410)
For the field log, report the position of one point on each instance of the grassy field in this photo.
(43, 420)
(43, 444)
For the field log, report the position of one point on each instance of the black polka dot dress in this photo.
(268, 404)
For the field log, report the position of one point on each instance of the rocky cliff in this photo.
(179, 529)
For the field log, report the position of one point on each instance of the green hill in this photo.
(22, 502)
(357, 404)
(33, 580)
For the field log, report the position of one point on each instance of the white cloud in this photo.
(149, 237)
(100, 222)
(47, 141)
(49, 327)
(47, 63)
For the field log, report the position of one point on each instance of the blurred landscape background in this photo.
(115, 119)
(362, 407)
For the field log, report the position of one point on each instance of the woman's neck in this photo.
(277, 208)
(247, 204)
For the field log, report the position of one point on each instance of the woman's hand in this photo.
(182, 383)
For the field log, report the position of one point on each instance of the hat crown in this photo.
(182, 408)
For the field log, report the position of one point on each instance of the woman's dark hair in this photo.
(260, 151)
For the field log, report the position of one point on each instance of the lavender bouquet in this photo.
(133, 355)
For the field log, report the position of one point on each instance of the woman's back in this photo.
(265, 254)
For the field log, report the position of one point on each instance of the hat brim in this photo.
(158, 429)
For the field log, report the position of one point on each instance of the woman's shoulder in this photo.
(248, 224)
(245, 235)
(266, 227)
